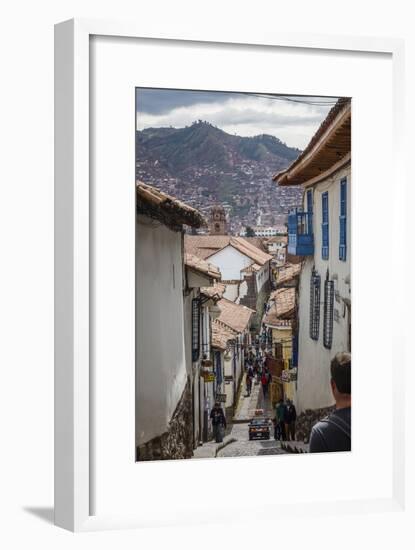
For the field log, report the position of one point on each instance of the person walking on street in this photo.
(218, 422)
(265, 382)
(290, 418)
(249, 377)
(280, 419)
(333, 433)
(256, 372)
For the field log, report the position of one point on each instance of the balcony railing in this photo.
(300, 233)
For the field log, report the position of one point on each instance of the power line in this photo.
(317, 103)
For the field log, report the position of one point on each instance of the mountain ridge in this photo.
(202, 165)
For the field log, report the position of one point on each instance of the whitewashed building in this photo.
(231, 337)
(320, 233)
(201, 295)
(245, 268)
(163, 386)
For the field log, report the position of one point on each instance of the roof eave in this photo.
(296, 173)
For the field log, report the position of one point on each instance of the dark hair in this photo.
(341, 372)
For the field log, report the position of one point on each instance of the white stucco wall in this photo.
(160, 357)
(262, 276)
(313, 389)
(230, 262)
(231, 292)
(243, 291)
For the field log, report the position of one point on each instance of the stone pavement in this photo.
(243, 447)
(211, 448)
(245, 411)
(295, 446)
(236, 443)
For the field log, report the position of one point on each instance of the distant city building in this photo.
(217, 221)
(270, 231)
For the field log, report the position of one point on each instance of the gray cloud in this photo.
(290, 118)
(158, 101)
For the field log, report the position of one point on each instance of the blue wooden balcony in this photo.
(300, 233)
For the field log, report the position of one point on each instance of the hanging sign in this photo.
(221, 397)
(208, 377)
(293, 375)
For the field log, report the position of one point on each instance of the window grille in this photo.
(325, 226)
(315, 285)
(343, 219)
(195, 329)
(328, 313)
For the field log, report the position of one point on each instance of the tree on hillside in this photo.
(249, 231)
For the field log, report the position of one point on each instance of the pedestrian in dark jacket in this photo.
(218, 422)
(280, 419)
(290, 418)
(265, 382)
(249, 377)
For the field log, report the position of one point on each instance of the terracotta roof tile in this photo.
(272, 319)
(197, 264)
(233, 315)
(284, 299)
(288, 272)
(260, 257)
(216, 291)
(221, 335)
(207, 245)
(167, 209)
(336, 125)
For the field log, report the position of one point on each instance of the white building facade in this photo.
(163, 390)
(321, 234)
(199, 311)
(324, 295)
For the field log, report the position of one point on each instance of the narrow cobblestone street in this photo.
(245, 411)
(236, 442)
(243, 447)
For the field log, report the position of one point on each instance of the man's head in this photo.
(341, 377)
(217, 404)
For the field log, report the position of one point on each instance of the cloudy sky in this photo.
(293, 119)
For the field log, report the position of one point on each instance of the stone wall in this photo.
(177, 441)
(255, 300)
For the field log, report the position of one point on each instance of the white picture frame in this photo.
(74, 395)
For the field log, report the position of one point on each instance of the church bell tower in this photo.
(217, 221)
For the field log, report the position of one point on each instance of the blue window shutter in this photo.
(310, 211)
(218, 368)
(295, 351)
(325, 226)
(343, 219)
